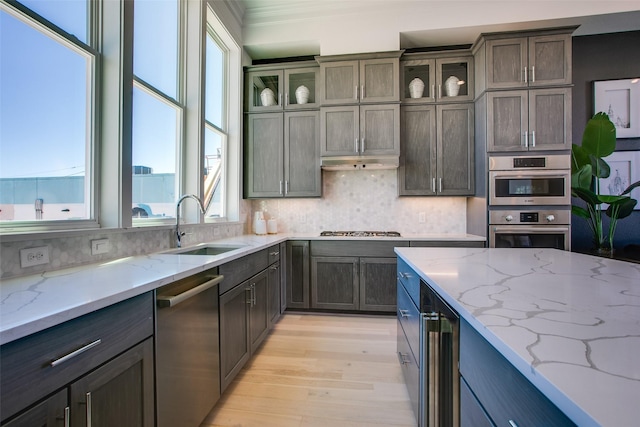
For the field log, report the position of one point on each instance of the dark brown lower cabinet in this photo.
(119, 393)
(378, 284)
(49, 413)
(235, 349)
(258, 309)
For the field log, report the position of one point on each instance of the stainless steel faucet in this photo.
(179, 234)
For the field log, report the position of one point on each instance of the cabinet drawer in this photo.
(409, 318)
(29, 372)
(241, 269)
(410, 371)
(359, 248)
(500, 388)
(273, 254)
(410, 280)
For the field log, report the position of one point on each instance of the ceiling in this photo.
(264, 21)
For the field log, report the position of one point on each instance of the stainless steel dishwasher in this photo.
(187, 350)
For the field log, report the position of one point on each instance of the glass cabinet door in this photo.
(264, 90)
(300, 88)
(455, 79)
(418, 81)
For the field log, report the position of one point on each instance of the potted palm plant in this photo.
(588, 166)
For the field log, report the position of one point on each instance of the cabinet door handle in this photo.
(533, 138)
(74, 353)
(286, 99)
(362, 92)
(439, 91)
(433, 91)
(403, 313)
(513, 423)
(356, 145)
(362, 145)
(403, 358)
(286, 187)
(526, 80)
(433, 185)
(526, 139)
(356, 92)
(439, 185)
(280, 188)
(280, 98)
(88, 409)
(65, 417)
(533, 74)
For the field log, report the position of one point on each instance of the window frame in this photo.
(89, 51)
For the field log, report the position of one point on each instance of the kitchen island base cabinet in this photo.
(506, 396)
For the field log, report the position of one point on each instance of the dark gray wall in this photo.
(603, 57)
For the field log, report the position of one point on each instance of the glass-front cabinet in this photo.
(436, 77)
(274, 89)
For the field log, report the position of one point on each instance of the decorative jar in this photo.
(302, 94)
(452, 86)
(416, 88)
(267, 97)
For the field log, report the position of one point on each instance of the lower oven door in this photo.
(530, 236)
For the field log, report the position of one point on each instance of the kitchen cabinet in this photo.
(434, 70)
(353, 130)
(297, 274)
(103, 361)
(247, 293)
(529, 120)
(529, 60)
(283, 80)
(282, 155)
(259, 319)
(235, 348)
(362, 78)
(284, 260)
(506, 396)
(354, 276)
(437, 155)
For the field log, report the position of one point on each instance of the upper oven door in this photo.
(522, 188)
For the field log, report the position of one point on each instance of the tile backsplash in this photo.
(366, 200)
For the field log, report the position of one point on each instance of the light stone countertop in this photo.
(33, 303)
(569, 322)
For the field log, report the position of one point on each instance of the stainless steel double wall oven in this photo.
(529, 201)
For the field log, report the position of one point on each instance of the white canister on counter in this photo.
(272, 226)
(261, 227)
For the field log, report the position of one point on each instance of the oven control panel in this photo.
(529, 217)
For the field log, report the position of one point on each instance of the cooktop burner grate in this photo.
(360, 233)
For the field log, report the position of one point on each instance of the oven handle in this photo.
(519, 174)
(535, 229)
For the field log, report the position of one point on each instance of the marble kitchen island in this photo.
(570, 323)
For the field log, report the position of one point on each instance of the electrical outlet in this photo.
(99, 246)
(34, 256)
(422, 217)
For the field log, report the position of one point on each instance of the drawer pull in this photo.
(513, 423)
(274, 253)
(404, 313)
(75, 353)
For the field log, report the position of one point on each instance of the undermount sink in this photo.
(207, 250)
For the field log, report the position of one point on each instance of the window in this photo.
(215, 137)
(46, 113)
(157, 112)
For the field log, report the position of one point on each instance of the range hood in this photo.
(342, 163)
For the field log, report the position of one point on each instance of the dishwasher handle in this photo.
(172, 300)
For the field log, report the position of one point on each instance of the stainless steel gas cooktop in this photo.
(360, 233)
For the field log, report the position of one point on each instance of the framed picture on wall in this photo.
(625, 169)
(620, 99)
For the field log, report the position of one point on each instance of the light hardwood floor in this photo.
(320, 370)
